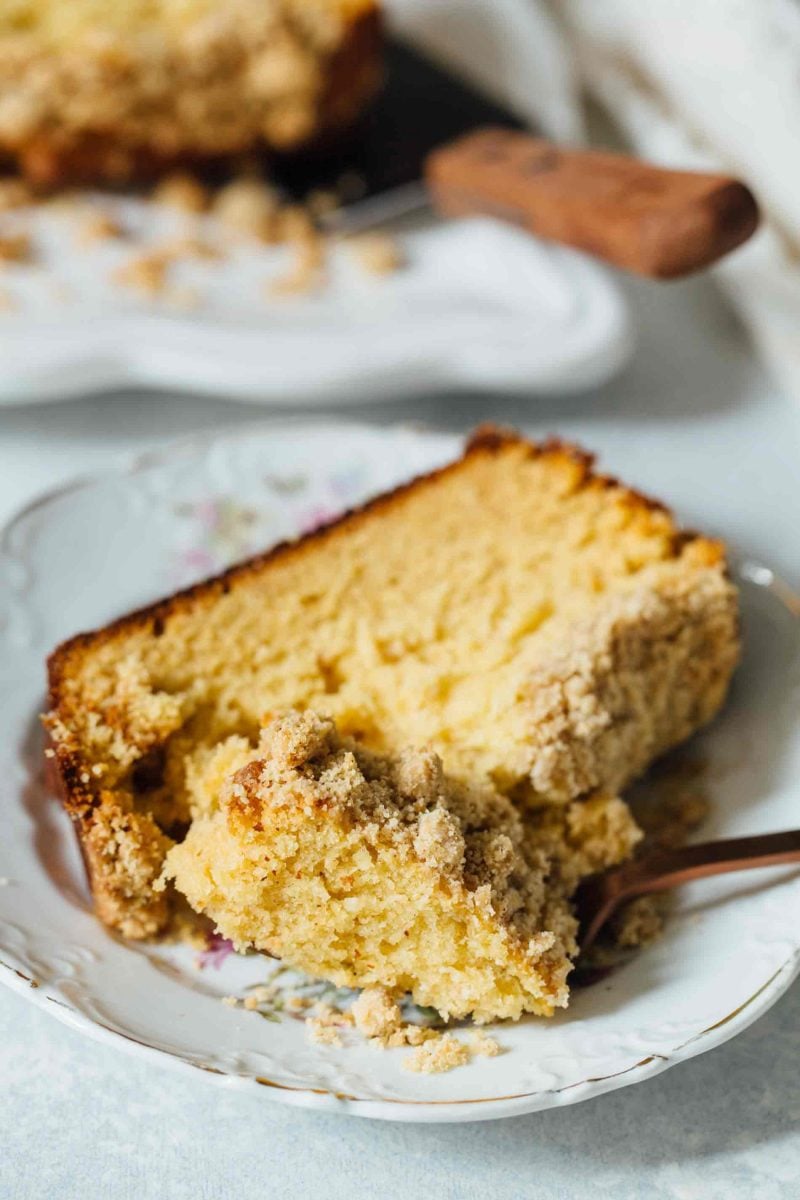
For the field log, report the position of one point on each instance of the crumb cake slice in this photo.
(543, 628)
(377, 870)
(96, 91)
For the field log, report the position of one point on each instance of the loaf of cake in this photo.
(544, 630)
(369, 869)
(93, 91)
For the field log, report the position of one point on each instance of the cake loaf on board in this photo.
(95, 92)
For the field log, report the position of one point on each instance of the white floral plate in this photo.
(92, 550)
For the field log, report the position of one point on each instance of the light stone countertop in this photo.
(84, 1121)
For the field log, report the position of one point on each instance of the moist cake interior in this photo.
(544, 630)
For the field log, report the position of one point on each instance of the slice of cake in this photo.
(369, 869)
(543, 628)
(93, 91)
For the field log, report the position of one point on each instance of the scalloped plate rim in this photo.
(433, 1111)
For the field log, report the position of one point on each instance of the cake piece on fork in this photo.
(369, 869)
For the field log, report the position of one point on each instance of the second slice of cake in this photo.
(370, 869)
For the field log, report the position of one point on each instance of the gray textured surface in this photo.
(78, 1120)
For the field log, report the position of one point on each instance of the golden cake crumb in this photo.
(377, 253)
(375, 1013)
(297, 1004)
(405, 1035)
(324, 1024)
(16, 248)
(181, 191)
(377, 1016)
(147, 273)
(188, 246)
(322, 1034)
(328, 1014)
(258, 996)
(610, 697)
(98, 227)
(248, 207)
(305, 275)
(295, 224)
(230, 1001)
(296, 228)
(480, 1043)
(438, 1055)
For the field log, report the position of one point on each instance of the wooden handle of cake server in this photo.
(647, 219)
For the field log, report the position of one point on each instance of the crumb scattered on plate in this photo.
(259, 995)
(297, 1004)
(377, 253)
(248, 207)
(376, 1015)
(181, 191)
(304, 276)
(145, 273)
(325, 1024)
(435, 1057)
(189, 247)
(481, 1043)
(98, 227)
(16, 248)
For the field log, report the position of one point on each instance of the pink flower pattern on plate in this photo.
(217, 950)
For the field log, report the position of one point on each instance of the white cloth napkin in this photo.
(698, 83)
(714, 83)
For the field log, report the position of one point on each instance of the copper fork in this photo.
(599, 897)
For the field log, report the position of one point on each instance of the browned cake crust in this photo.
(103, 140)
(124, 849)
